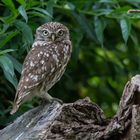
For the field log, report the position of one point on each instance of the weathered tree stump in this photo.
(81, 120)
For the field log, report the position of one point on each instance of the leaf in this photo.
(17, 65)
(69, 6)
(26, 31)
(5, 27)
(134, 1)
(42, 11)
(108, 1)
(35, 14)
(8, 69)
(22, 11)
(82, 20)
(49, 6)
(10, 19)
(6, 51)
(9, 4)
(22, 2)
(99, 29)
(7, 37)
(125, 28)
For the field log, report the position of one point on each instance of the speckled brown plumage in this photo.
(45, 63)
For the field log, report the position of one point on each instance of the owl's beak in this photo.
(53, 37)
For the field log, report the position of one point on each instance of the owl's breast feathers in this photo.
(45, 62)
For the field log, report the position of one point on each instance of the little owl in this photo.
(45, 63)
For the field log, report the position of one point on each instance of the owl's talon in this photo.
(57, 100)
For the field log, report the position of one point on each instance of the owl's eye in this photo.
(45, 33)
(60, 32)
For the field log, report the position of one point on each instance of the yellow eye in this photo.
(60, 32)
(45, 33)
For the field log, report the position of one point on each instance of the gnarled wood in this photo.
(81, 120)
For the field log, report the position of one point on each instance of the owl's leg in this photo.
(57, 100)
(48, 98)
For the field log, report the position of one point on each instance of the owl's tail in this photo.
(16, 104)
(15, 108)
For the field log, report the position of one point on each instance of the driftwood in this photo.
(81, 120)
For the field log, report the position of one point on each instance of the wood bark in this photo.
(81, 120)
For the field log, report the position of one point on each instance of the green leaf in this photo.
(49, 6)
(17, 65)
(108, 1)
(26, 31)
(69, 6)
(22, 11)
(6, 51)
(83, 22)
(3, 30)
(8, 69)
(42, 11)
(22, 2)
(9, 4)
(99, 29)
(125, 28)
(134, 1)
(35, 14)
(10, 19)
(7, 37)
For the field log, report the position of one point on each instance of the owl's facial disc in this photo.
(49, 35)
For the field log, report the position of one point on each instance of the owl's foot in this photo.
(57, 100)
(49, 99)
(44, 101)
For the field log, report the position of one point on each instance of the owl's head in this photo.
(52, 32)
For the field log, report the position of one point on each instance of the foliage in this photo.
(105, 48)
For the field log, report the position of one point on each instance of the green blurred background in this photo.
(105, 56)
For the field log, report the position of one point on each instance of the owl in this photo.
(45, 63)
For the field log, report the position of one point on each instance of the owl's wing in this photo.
(37, 65)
